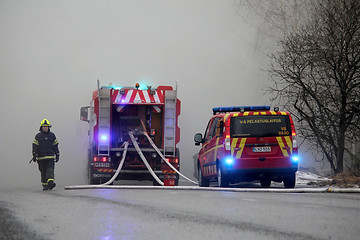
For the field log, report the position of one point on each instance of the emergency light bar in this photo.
(239, 109)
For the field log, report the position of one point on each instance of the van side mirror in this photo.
(198, 139)
(84, 114)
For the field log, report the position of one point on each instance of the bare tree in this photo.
(316, 74)
(278, 17)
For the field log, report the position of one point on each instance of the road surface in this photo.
(176, 214)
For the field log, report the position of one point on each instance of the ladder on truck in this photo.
(170, 123)
(104, 97)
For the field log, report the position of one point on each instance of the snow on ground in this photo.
(306, 177)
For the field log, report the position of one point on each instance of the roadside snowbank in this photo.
(309, 178)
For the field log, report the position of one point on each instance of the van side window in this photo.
(220, 128)
(207, 130)
(213, 127)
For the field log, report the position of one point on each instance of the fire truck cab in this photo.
(248, 143)
(114, 112)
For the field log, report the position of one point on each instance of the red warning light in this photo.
(152, 132)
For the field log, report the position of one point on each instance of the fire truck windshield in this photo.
(260, 126)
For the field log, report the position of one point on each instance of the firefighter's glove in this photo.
(34, 157)
(57, 157)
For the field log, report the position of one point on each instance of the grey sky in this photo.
(52, 52)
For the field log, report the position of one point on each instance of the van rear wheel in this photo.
(203, 182)
(222, 180)
(289, 180)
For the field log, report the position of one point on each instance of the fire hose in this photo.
(162, 156)
(144, 159)
(126, 144)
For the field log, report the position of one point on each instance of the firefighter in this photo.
(45, 152)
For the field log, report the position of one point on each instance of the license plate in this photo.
(261, 149)
(100, 164)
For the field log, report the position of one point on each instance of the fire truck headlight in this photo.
(229, 161)
(295, 158)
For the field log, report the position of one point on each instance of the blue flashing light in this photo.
(295, 158)
(142, 87)
(254, 108)
(240, 108)
(111, 86)
(229, 161)
(104, 137)
(116, 87)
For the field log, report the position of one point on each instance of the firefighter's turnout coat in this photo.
(45, 146)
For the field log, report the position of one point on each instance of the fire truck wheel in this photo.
(265, 181)
(289, 180)
(203, 182)
(91, 180)
(177, 179)
(222, 180)
(155, 183)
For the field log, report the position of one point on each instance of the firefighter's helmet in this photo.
(44, 123)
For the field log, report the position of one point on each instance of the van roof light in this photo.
(239, 109)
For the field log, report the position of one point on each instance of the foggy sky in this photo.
(52, 52)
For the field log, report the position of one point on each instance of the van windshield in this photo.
(260, 126)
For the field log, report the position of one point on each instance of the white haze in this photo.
(52, 52)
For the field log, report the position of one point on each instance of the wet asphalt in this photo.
(11, 228)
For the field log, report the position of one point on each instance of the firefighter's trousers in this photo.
(46, 167)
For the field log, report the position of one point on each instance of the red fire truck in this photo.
(248, 143)
(116, 111)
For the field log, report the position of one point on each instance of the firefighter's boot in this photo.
(45, 186)
(51, 184)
